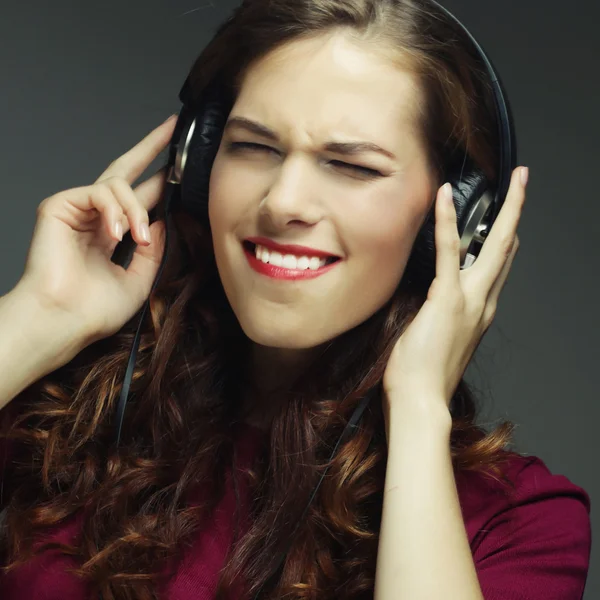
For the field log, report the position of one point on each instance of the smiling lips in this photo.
(288, 262)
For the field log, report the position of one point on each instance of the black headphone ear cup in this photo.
(469, 183)
(202, 149)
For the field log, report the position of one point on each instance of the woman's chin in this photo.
(292, 338)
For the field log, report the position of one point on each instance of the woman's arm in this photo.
(423, 549)
(34, 340)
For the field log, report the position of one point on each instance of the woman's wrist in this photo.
(34, 341)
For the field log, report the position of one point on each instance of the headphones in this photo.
(194, 145)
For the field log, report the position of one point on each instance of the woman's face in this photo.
(294, 190)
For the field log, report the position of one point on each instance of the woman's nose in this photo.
(291, 199)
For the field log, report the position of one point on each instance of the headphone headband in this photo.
(507, 159)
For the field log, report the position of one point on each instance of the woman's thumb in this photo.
(145, 262)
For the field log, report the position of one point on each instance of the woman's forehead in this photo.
(305, 93)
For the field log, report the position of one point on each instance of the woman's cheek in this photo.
(381, 247)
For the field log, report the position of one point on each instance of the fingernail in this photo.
(145, 232)
(171, 117)
(119, 230)
(524, 175)
(447, 193)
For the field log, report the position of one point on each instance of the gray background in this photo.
(82, 82)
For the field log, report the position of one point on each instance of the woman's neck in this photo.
(269, 376)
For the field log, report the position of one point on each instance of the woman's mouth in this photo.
(286, 266)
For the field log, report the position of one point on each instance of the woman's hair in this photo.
(185, 392)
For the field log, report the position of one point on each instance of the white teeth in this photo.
(275, 258)
(289, 261)
(315, 262)
(303, 263)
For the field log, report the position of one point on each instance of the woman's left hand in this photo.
(432, 354)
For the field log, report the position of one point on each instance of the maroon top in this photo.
(535, 546)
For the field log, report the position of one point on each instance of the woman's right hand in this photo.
(69, 268)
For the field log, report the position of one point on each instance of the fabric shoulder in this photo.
(532, 539)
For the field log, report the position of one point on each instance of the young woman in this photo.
(296, 291)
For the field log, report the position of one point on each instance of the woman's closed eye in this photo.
(364, 171)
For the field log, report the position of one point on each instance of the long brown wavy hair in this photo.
(185, 394)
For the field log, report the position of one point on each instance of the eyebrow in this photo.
(349, 148)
